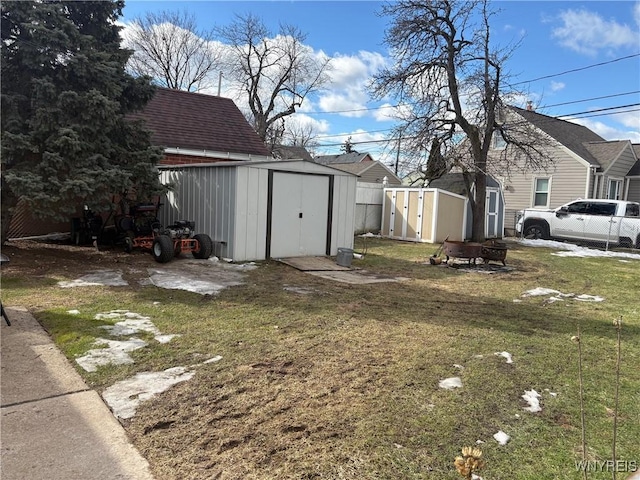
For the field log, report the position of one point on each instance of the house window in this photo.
(613, 192)
(541, 192)
(498, 141)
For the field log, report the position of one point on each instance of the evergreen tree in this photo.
(66, 139)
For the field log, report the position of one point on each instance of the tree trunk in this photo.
(479, 208)
(8, 203)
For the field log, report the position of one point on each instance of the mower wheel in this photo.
(205, 246)
(128, 242)
(162, 249)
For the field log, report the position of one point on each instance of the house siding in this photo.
(376, 173)
(634, 190)
(568, 177)
(618, 171)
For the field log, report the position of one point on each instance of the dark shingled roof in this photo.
(571, 135)
(287, 152)
(354, 157)
(454, 183)
(195, 121)
(606, 152)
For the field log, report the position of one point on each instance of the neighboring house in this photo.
(197, 128)
(634, 177)
(192, 128)
(290, 152)
(353, 157)
(585, 166)
(373, 176)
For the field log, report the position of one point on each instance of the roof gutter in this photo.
(246, 157)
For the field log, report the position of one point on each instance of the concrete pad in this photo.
(32, 367)
(69, 437)
(53, 426)
(357, 278)
(308, 264)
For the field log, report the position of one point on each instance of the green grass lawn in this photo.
(344, 382)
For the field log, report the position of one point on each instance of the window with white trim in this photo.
(614, 189)
(498, 141)
(541, 192)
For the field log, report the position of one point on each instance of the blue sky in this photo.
(599, 40)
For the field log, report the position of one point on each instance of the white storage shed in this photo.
(260, 210)
(423, 215)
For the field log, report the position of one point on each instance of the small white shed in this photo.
(260, 210)
(423, 215)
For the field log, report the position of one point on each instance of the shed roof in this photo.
(194, 121)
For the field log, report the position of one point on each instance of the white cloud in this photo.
(610, 131)
(557, 86)
(588, 32)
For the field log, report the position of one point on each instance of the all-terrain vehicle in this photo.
(142, 229)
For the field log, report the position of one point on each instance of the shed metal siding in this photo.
(229, 203)
(251, 214)
(206, 196)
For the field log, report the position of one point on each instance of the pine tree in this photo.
(66, 137)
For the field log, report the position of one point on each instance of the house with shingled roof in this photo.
(361, 164)
(197, 128)
(585, 165)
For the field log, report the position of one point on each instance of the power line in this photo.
(590, 99)
(577, 69)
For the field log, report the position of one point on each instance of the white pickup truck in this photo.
(610, 222)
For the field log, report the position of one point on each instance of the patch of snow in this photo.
(570, 250)
(73, 312)
(589, 298)
(111, 278)
(553, 394)
(476, 477)
(537, 292)
(451, 383)
(557, 296)
(215, 359)
(117, 352)
(132, 324)
(501, 437)
(124, 397)
(506, 355)
(531, 397)
(459, 367)
(204, 286)
(369, 234)
(479, 442)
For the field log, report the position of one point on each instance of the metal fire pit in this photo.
(468, 250)
(494, 250)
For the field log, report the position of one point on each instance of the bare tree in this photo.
(276, 73)
(448, 71)
(169, 48)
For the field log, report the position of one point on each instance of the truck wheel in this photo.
(536, 231)
(162, 249)
(204, 248)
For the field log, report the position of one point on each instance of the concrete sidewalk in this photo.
(54, 427)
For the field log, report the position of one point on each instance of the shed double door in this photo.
(299, 215)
